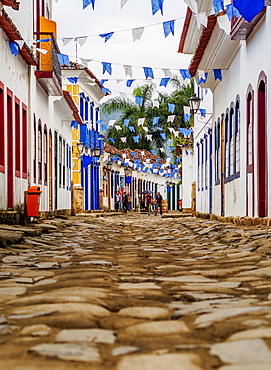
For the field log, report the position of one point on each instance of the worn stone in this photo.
(242, 352)
(87, 335)
(40, 330)
(160, 362)
(158, 328)
(124, 350)
(251, 334)
(68, 352)
(146, 312)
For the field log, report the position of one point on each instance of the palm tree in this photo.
(146, 110)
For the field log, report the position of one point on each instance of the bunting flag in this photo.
(21, 43)
(155, 121)
(155, 103)
(122, 3)
(186, 117)
(66, 40)
(117, 127)
(201, 19)
(88, 2)
(112, 122)
(163, 151)
(202, 112)
(43, 40)
(164, 81)
(86, 160)
(112, 139)
(145, 129)
(14, 48)
(136, 139)
(152, 151)
(149, 137)
(107, 67)
(232, 11)
(63, 59)
(157, 5)
(81, 40)
(139, 100)
(163, 136)
(137, 33)
(171, 107)
(106, 36)
(202, 77)
(85, 61)
(74, 124)
(123, 139)
(141, 121)
(148, 72)
(167, 72)
(249, 9)
(186, 109)
(218, 74)
(103, 81)
(103, 127)
(192, 5)
(185, 74)
(129, 83)
(72, 80)
(131, 128)
(128, 70)
(105, 91)
(42, 51)
(218, 5)
(171, 118)
(169, 27)
(126, 122)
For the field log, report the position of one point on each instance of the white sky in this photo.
(152, 50)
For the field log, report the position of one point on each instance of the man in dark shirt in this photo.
(159, 199)
(125, 202)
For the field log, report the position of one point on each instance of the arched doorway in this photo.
(262, 149)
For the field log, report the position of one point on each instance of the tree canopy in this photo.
(136, 135)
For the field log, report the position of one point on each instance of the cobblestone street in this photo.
(137, 292)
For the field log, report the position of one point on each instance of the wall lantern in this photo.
(109, 166)
(126, 171)
(194, 103)
(80, 148)
(96, 152)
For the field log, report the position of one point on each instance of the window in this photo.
(237, 139)
(202, 164)
(17, 138)
(39, 153)
(86, 110)
(35, 152)
(2, 130)
(45, 153)
(206, 162)
(24, 141)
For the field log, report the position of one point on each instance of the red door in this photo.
(10, 156)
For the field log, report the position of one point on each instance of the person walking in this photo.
(129, 202)
(148, 203)
(159, 199)
(125, 202)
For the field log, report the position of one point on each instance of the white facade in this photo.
(240, 133)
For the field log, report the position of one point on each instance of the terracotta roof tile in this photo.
(185, 29)
(13, 34)
(111, 149)
(13, 3)
(73, 106)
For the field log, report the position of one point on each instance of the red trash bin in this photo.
(33, 201)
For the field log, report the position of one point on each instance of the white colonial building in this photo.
(232, 164)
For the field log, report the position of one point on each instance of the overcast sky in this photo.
(152, 50)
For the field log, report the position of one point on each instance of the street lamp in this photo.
(109, 166)
(80, 148)
(96, 152)
(194, 103)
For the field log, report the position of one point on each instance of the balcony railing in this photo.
(49, 69)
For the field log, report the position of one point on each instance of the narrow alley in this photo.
(137, 292)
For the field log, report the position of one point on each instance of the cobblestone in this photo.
(136, 292)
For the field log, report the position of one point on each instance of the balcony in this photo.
(241, 29)
(48, 73)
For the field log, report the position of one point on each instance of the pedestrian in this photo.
(180, 205)
(153, 204)
(125, 202)
(159, 199)
(148, 203)
(117, 202)
(129, 202)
